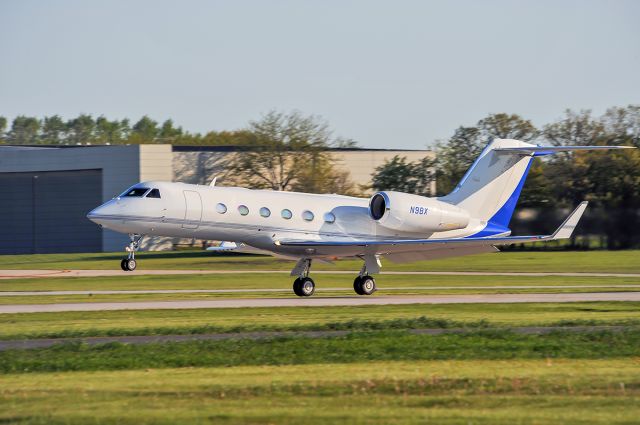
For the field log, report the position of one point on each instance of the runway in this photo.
(25, 274)
(324, 302)
(288, 290)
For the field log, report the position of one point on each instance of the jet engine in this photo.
(413, 213)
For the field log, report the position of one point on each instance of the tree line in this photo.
(87, 130)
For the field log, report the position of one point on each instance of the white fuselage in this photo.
(195, 211)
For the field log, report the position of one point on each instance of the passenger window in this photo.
(221, 208)
(286, 214)
(329, 217)
(265, 212)
(136, 192)
(307, 215)
(153, 193)
(243, 210)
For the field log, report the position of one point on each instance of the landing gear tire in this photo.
(304, 287)
(131, 264)
(128, 264)
(364, 285)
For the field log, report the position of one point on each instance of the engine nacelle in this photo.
(413, 213)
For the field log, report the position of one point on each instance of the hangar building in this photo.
(46, 191)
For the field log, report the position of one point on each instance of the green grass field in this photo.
(377, 374)
(367, 392)
(561, 261)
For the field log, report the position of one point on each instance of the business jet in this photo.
(402, 227)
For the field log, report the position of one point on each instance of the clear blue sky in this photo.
(387, 74)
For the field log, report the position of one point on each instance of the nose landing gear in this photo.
(129, 264)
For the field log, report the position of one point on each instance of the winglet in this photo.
(567, 227)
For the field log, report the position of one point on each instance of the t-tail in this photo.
(490, 189)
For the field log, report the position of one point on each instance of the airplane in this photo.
(402, 227)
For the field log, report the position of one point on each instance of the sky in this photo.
(388, 74)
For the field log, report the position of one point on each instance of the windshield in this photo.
(136, 192)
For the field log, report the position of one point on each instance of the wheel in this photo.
(130, 264)
(357, 285)
(304, 287)
(364, 285)
(368, 285)
(297, 287)
(307, 287)
(123, 265)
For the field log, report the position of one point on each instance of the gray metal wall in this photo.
(44, 212)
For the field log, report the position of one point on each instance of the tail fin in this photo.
(490, 189)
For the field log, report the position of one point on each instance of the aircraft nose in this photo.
(95, 214)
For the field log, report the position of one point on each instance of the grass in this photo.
(583, 261)
(355, 347)
(387, 392)
(379, 374)
(154, 322)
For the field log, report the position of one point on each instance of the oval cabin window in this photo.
(221, 208)
(243, 210)
(329, 217)
(265, 212)
(307, 215)
(286, 214)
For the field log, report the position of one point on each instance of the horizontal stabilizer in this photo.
(550, 150)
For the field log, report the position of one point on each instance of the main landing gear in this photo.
(304, 286)
(363, 283)
(129, 264)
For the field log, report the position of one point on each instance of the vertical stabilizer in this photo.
(490, 189)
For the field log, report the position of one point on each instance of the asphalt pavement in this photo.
(323, 301)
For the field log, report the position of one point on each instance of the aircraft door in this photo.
(192, 209)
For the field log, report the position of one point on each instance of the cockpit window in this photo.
(137, 192)
(153, 193)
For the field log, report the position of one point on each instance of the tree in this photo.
(411, 177)
(24, 131)
(623, 123)
(505, 126)
(283, 147)
(111, 132)
(322, 176)
(144, 131)
(53, 130)
(168, 132)
(342, 143)
(576, 128)
(609, 180)
(81, 130)
(3, 128)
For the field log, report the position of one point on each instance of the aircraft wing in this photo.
(417, 249)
